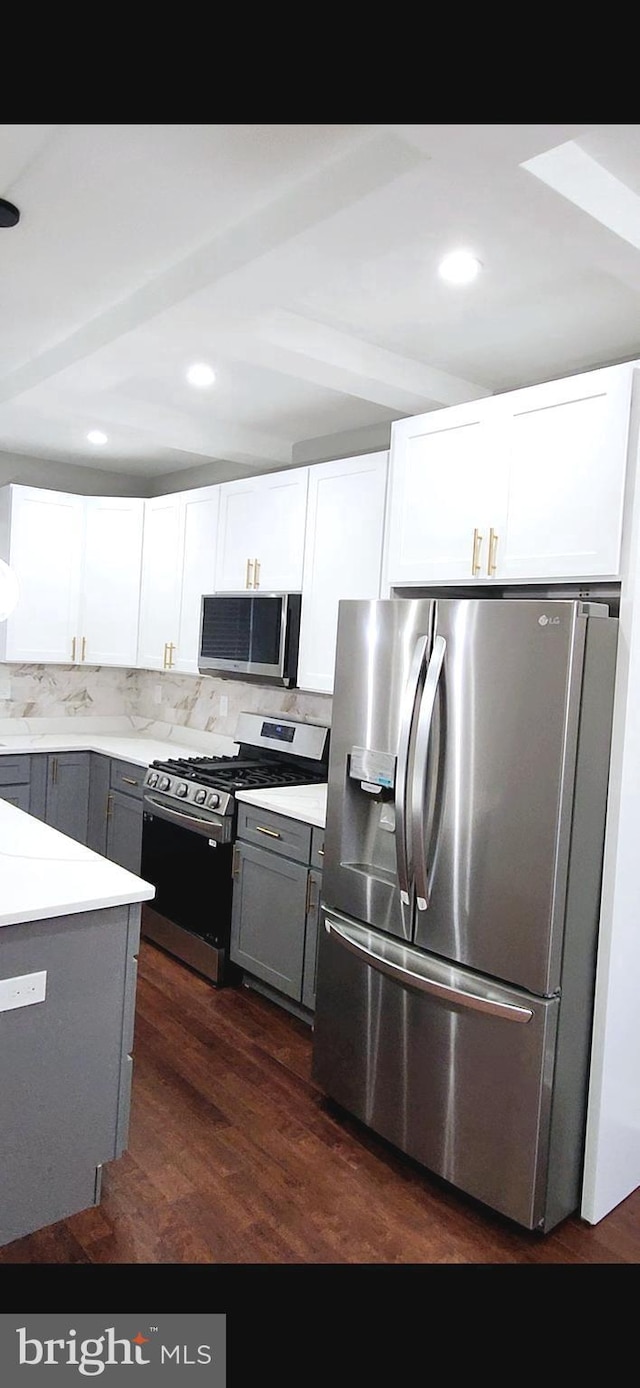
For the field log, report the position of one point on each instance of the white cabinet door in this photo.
(198, 571)
(261, 532)
(282, 504)
(524, 486)
(160, 591)
(43, 544)
(110, 581)
(238, 534)
(567, 443)
(178, 566)
(446, 482)
(343, 553)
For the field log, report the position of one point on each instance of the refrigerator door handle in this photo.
(434, 669)
(409, 707)
(510, 1012)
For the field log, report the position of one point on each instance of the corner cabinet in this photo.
(277, 871)
(525, 486)
(77, 560)
(343, 554)
(178, 566)
(261, 532)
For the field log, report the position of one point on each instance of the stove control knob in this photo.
(164, 783)
(182, 788)
(152, 778)
(213, 800)
(200, 797)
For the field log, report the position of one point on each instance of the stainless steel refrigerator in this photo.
(461, 888)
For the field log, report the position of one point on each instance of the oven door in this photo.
(188, 859)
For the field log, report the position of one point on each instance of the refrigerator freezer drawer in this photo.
(452, 1068)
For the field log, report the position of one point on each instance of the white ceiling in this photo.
(300, 261)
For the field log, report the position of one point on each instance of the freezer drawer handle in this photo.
(410, 699)
(510, 1012)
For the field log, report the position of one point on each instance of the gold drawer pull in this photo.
(273, 833)
(493, 551)
(475, 558)
(129, 781)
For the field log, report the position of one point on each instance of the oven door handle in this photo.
(217, 828)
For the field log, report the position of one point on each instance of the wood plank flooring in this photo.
(235, 1158)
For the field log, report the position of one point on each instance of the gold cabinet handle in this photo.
(256, 579)
(273, 833)
(84, 648)
(493, 551)
(129, 781)
(249, 578)
(54, 771)
(311, 902)
(235, 863)
(171, 649)
(109, 805)
(73, 649)
(475, 558)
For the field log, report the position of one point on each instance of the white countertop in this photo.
(117, 737)
(308, 803)
(43, 873)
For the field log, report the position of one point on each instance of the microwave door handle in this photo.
(409, 706)
(425, 722)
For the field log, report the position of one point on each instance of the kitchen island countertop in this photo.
(43, 873)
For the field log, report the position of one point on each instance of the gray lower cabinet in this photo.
(67, 793)
(276, 894)
(124, 815)
(15, 781)
(66, 1064)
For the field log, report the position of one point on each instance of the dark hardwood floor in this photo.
(236, 1158)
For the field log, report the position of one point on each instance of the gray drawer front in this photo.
(290, 837)
(15, 770)
(128, 777)
(317, 847)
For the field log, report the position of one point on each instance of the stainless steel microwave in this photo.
(250, 636)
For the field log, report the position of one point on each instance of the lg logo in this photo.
(548, 621)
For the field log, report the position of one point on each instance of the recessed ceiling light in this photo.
(96, 436)
(460, 267)
(200, 374)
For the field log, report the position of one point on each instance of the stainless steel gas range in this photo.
(189, 825)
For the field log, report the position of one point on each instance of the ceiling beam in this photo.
(340, 183)
(325, 356)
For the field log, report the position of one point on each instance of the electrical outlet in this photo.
(157, 693)
(224, 705)
(23, 990)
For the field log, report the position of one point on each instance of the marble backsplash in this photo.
(201, 702)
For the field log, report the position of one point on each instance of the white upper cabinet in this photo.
(343, 553)
(261, 532)
(178, 566)
(110, 584)
(77, 560)
(518, 487)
